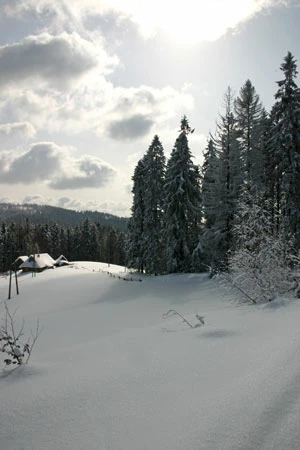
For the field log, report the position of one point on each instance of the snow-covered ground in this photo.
(110, 373)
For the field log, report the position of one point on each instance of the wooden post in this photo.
(9, 289)
(11, 270)
(17, 284)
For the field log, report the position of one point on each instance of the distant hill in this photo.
(44, 214)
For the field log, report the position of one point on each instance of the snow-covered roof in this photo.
(38, 261)
(21, 258)
(61, 261)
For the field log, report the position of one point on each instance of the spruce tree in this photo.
(284, 147)
(89, 241)
(211, 191)
(249, 116)
(228, 182)
(154, 170)
(111, 246)
(135, 243)
(120, 257)
(4, 248)
(53, 244)
(182, 217)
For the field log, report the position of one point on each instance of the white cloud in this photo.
(188, 22)
(57, 60)
(35, 199)
(38, 164)
(131, 113)
(130, 128)
(24, 129)
(52, 164)
(59, 82)
(87, 172)
(193, 20)
(99, 107)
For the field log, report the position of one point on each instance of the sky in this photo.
(85, 86)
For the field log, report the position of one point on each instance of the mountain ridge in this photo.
(42, 214)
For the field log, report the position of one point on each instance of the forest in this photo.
(88, 236)
(241, 208)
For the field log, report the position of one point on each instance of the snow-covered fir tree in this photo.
(211, 192)
(284, 148)
(53, 237)
(182, 217)
(111, 246)
(228, 182)
(89, 241)
(135, 243)
(154, 174)
(249, 115)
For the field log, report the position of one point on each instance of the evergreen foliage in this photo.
(86, 242)
(252, 154)
(249, 115)
(135, 246)
(182, 217)
(211, 202)
(284, 148)
(145, 246)
(227, 186)
(154, 161)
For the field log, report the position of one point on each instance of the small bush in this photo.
(16, 351)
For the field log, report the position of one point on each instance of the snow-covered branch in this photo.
(16, 352)
(262, 266)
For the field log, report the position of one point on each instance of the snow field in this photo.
(109, 373)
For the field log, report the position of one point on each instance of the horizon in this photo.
(60, 207)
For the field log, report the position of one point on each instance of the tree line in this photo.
(186, 218)
(88, 241)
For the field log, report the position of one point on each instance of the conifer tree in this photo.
(25, 242)
(120, 257)
(4, 248)
(210, 201)
(182, 218)
(284, 148)
(63, 242)
(111, 246)
(266, 171)
(135, 244)
(154, 169)
(89, 241)
(249, 116)
(77, 249)
(229, 181)
(53, 243)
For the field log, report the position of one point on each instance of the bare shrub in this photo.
(17, 351)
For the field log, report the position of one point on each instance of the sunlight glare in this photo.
(191, 21)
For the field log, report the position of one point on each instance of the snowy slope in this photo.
(109, 373)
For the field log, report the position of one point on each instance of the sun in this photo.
(188, 24)
(190, 21)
